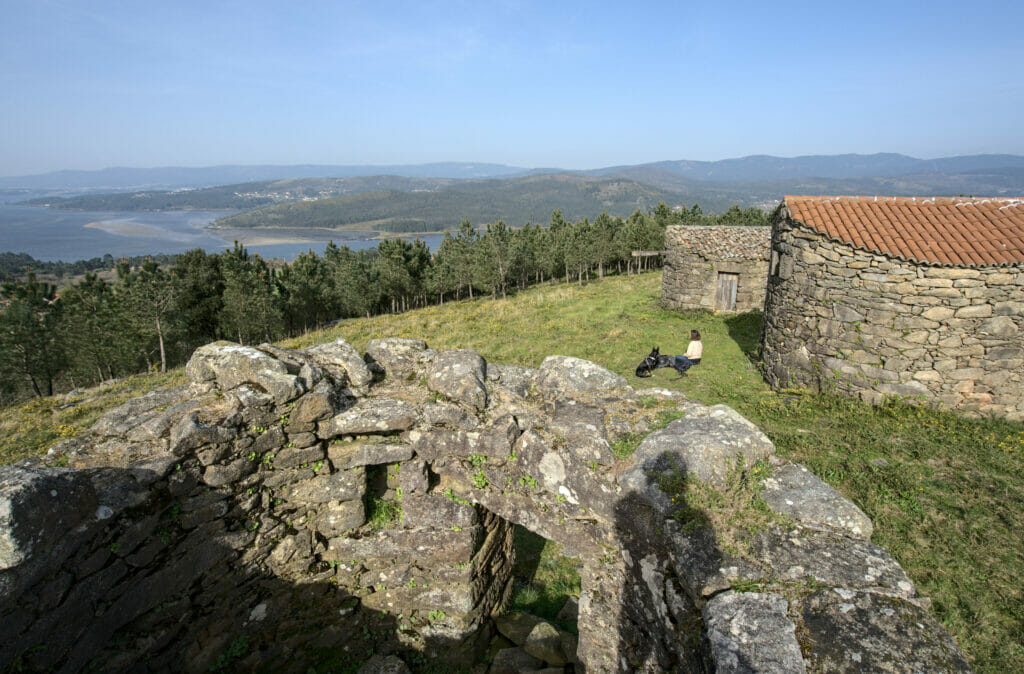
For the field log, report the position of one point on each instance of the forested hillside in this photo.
(157, 315)
(19, 264)
(241, 196)
(517, 201)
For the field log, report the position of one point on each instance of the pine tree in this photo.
(30, 346)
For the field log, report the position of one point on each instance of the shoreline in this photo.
(123, 229)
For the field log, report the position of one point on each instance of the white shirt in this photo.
(694, 350)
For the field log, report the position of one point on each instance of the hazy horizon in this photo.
(107, 83)
(490, 163)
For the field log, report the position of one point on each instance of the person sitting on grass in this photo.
(694, 350)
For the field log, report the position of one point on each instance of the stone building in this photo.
(908, 296)
(716, 268)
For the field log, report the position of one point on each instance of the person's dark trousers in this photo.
(683, 363)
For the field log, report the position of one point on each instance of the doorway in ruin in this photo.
(545, 592)
(725, 293)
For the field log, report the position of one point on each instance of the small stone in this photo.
(216, 476)
(545, 643)
(514, 661)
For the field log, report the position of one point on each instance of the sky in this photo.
(98, 83)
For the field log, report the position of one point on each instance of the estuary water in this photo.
(50, 234)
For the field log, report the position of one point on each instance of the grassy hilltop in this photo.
(946, 494)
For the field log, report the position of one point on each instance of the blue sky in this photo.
(97, 83)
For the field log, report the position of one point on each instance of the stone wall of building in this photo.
(696, 255)
(872, 325)
(293, 510)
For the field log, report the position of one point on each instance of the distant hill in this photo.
(1002, 181)
(754, 168)
(165, 178)
(514, 200)
(763, 167)
(433, 197)
(242, 196)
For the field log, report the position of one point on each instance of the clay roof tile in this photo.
(941, 230)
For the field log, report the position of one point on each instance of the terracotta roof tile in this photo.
(940, 230)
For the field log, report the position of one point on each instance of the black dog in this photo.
(655, 360)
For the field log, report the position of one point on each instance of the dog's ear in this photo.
(654, 350)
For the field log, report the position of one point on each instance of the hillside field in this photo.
(946, 494)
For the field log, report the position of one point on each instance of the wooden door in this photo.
(725, 294)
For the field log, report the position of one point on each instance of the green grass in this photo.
(949, 504)
(29, 429)
(545, 578)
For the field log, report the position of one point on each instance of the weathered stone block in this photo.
(125, 417)
(975, 311)
(944, 293)
(1000, 326)
(750, 632)
(344, 485)
(446, 414)
(951, 272)
(514, 661)
(565, 373)
(432, 549)
(706, 447)
(302, 440)
(1009, 308)
(965, 373)
(217, 476)
(396, 356)
(231, 365)
(938, 313)
(460, 376)
(907, 389)
(863, 631)
(795, 491)
(830, 557)
(314, 406)
(414, 478)
(269, 440)
(189, 433)
(290, 457)
(37, 507)
(847, 314)
(435, 511)
(336, 517)
(933, 283)
(375, 415)
(343, 362)
(355, 453)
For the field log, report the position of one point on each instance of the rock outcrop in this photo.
(289, 507)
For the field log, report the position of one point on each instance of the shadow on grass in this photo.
(745, 330)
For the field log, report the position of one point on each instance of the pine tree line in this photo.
(154, 316)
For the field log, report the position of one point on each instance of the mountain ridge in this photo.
(751, 168)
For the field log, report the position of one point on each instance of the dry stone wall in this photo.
(695, 256)
(872, 325)
(290, 510)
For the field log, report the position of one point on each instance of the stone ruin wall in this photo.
(690, 275)
(222, 526)
(871, 325)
